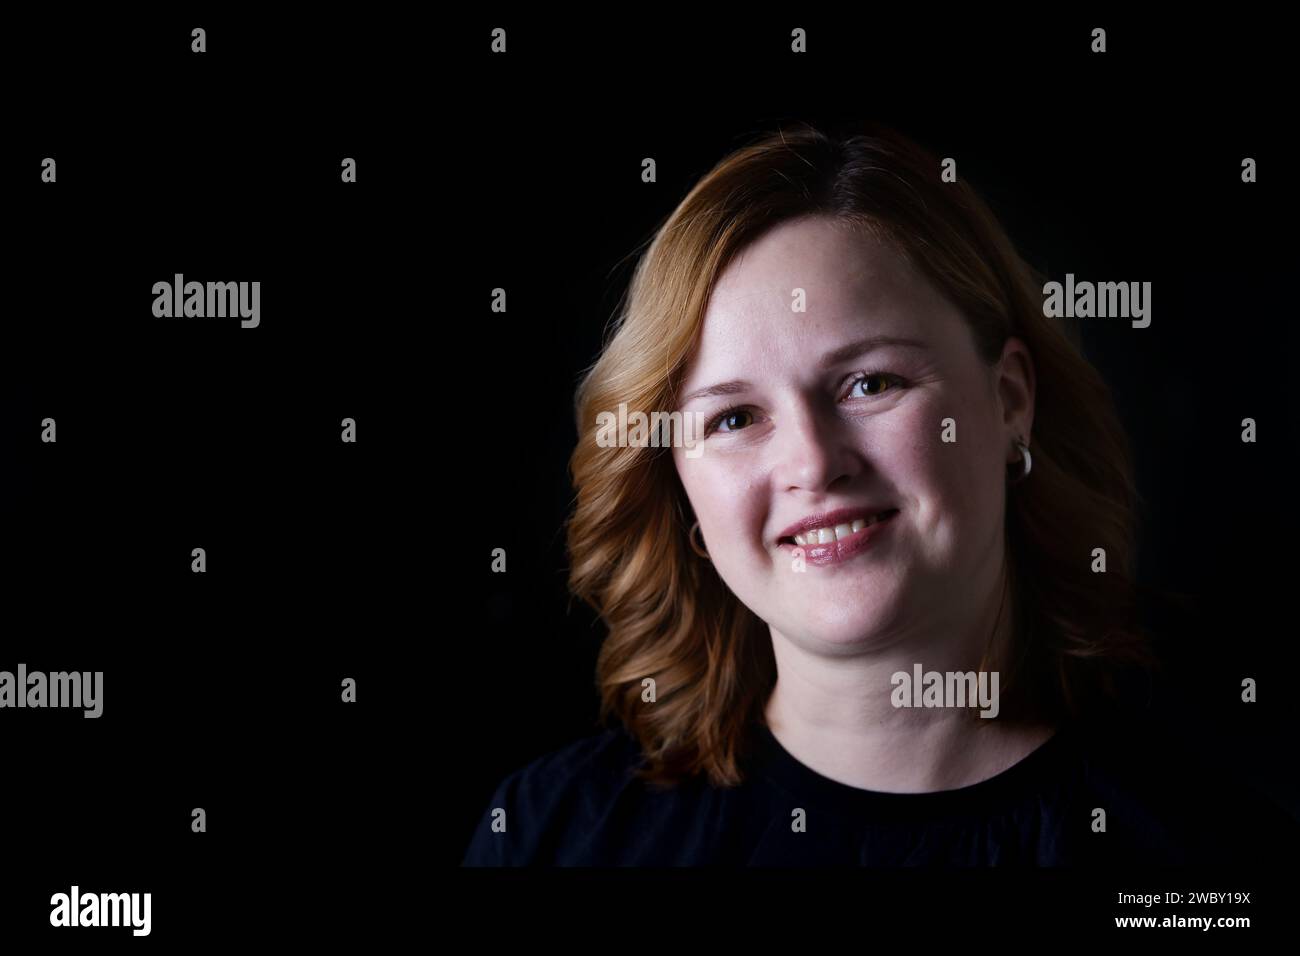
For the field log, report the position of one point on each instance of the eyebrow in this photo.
(834, 357)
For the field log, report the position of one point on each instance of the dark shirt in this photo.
(580, 806)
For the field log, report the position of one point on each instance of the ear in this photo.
(1014, 387)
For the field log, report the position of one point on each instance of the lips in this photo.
(843, 547)
(831, 520)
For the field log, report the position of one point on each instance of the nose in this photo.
(813, 450)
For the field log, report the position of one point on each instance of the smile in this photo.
(835, 543)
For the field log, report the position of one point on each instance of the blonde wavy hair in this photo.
(671, 617)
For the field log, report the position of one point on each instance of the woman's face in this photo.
(821, 421)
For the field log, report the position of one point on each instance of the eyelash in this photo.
(726, 413)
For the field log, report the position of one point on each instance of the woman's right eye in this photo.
(727, 419)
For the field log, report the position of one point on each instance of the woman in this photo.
(882, 609)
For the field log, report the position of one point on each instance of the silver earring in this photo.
(697, 548)
(1026, 460)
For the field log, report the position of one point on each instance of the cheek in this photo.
(727, 509)
(947, 482)
(962, 482)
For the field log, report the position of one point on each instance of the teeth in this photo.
(827, 535)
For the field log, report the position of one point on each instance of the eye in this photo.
(725, 417)
(867, 379)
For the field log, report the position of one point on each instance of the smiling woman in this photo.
(873, 364)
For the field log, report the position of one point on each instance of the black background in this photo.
(372, 560)
(221, 690)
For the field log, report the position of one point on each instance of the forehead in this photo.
(807, 251)
(852, 285)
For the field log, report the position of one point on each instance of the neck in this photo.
(850, 718)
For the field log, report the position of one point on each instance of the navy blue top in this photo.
(580, 806)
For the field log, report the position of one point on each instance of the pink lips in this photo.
(841, 549)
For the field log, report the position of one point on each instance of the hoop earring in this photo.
(697, 548)
(1026, 459)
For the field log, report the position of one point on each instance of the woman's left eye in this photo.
(867, 379)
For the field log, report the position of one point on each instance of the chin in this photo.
(856, 635)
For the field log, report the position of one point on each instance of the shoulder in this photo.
(536, 808)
